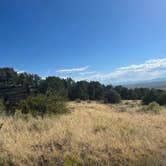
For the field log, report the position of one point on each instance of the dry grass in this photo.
(93, 134)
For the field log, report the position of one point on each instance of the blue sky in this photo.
(85, 39)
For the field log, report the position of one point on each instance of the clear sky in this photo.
(85, 39)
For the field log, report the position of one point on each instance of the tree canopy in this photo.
(83, 90)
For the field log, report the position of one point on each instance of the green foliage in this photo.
(20, 115)
(153, 107)
(111, 96)
(55, 84)
(8, 76)
(158, 96)
(128, 94)
(55, 103)
(162, 99)
(33, 105)
(43, 104)
(79, 90)
(96, 91)
(20, 85)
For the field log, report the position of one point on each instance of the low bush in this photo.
(152, 107)
(20, 115)
(43, 104)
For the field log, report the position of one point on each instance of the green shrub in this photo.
(153, 107)
(158, 96)
(20, 115)
(34, 105)
(43, 104)
(111, 96)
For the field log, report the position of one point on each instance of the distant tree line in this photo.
(83, 90)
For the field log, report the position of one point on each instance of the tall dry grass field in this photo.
(92, 134)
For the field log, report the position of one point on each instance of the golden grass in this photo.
(93, 134)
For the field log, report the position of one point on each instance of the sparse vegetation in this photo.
(153, 107)
(93, 134)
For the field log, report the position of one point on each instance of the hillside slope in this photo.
(92, 134)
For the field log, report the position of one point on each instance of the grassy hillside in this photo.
(93, 134)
